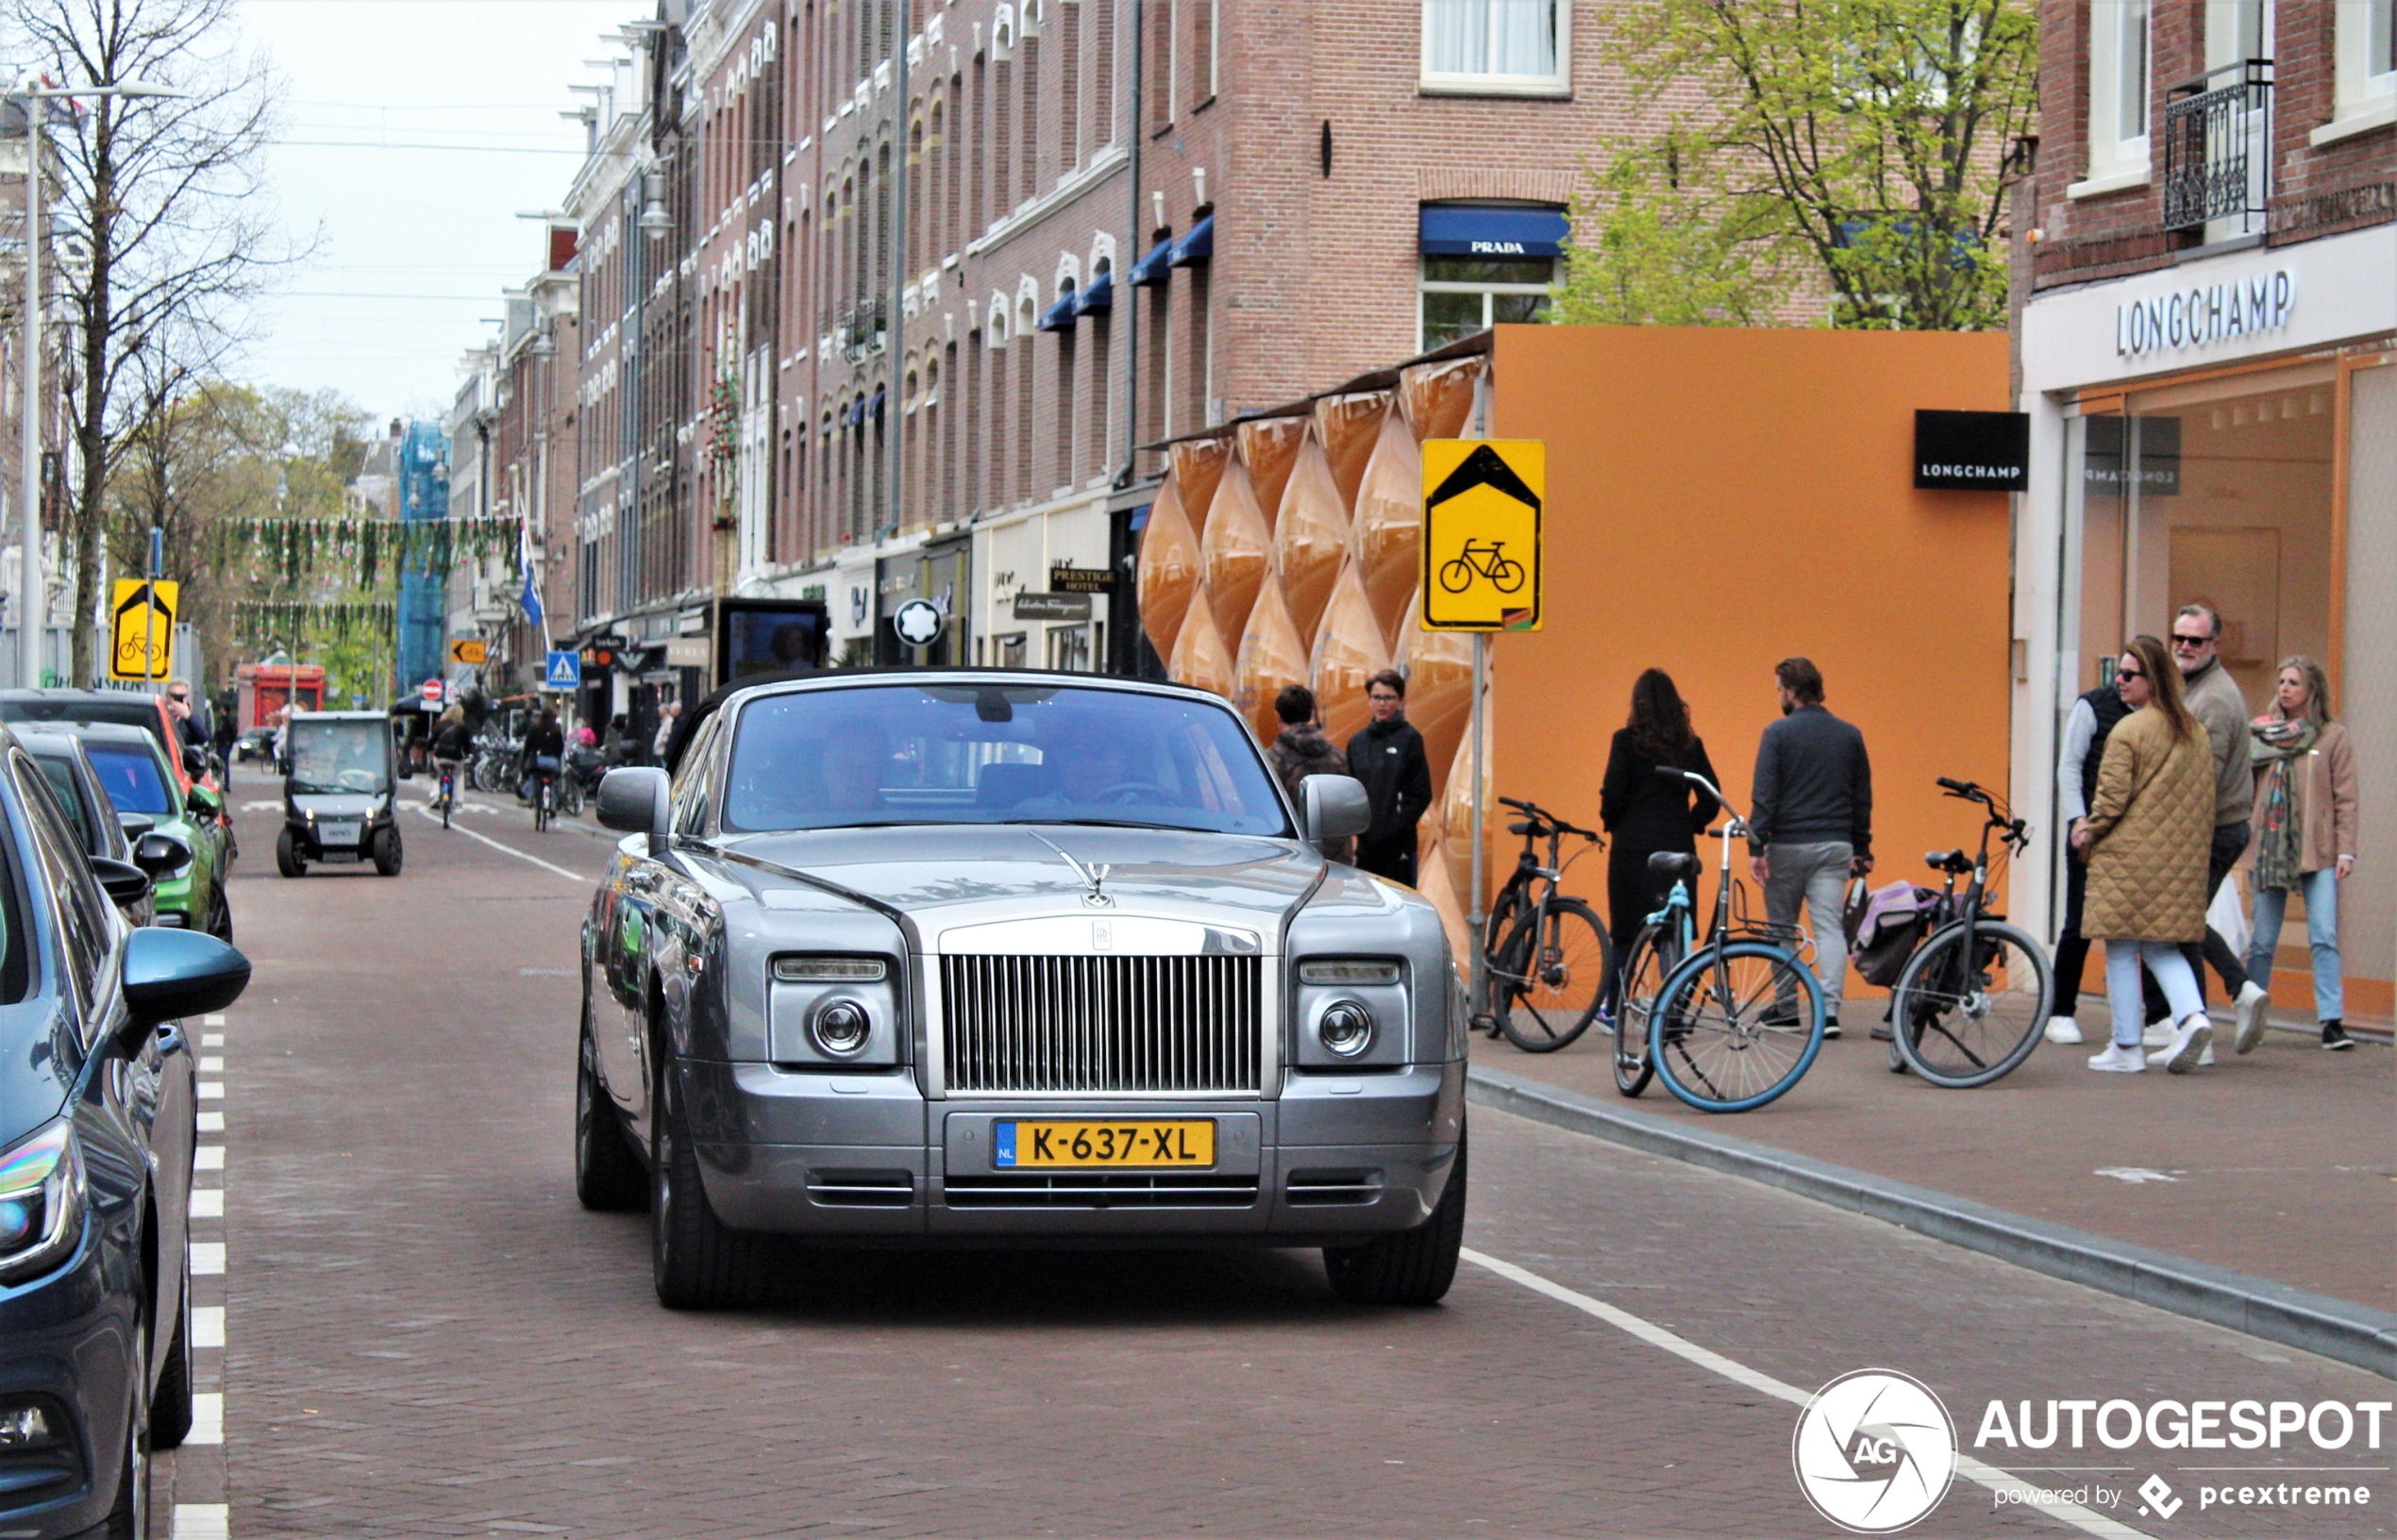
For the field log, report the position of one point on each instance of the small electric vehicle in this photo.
(338, 802)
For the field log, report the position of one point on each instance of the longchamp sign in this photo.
(2213, 312)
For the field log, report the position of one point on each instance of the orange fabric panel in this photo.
(1271, 659)
(1167, 575)
(1348, 651)
(1200, 658)
(1198, 465)
(1269, 446)
(1432, 881)
(1237, 550)
(1311, 536)
(1348, 426)
(1439, 686)
(1386, 533)
(1458, 798)
(1438, 397)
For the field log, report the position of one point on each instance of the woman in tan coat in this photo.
(2305, 835)
(2146, 839)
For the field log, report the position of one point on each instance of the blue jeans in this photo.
(2171, 970)
(2322, 930)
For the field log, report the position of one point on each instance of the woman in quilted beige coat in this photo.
(2146, 839)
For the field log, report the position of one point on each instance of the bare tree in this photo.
(162, 219)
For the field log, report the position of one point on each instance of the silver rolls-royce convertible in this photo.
(984, 958)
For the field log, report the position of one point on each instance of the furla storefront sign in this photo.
(2207, 313)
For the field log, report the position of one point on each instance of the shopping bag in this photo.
(2227, 916)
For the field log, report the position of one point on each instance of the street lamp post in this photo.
(33, 607)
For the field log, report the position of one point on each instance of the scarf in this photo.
(2280, 843)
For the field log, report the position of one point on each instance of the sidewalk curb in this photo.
(2295, 1318)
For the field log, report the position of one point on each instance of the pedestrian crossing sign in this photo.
(565, 672)
(1480, 544)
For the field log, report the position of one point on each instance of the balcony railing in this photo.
(2217, 147)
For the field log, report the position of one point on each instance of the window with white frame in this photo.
(2365, 71)
(1502, 47)
(2122, 84)
(1466, 294)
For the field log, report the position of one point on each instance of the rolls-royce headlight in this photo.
(1349, 970)
(42, 1195)
(1346, 1029)
(839, 1029)
(829, 970)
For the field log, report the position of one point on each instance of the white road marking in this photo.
(211, 1090)
(207, 1419)
(571, 876)
(203, 1521)
(208, 1158)
(212, 1019)
(212, 1040)
(208, 1326)
(208, 1202)
(275, 806)
(207, 1259)
(211, 1121)
(2132, 1174)
(2083, 1520)
(211, 1063)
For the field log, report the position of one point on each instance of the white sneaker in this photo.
(2119, 1060)
(2249, 1009)
(2159, 1035)
(2162, 1058)
(2064, 1031)
(2189, 1045)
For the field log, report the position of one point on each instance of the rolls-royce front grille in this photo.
(1101, 1190)
(1102, 1024)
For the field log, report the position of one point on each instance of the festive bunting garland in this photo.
(335, 619)
(364, 547)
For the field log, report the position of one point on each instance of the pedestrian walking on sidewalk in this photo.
(2306, 816)
(2215, 700)
(2145, 840)
(1811, 826)
(2086, 731)
(1301, 750)
(1387, 755)
(1645, 814)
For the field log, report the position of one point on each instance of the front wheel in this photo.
(1654, 953)
(1970, 1006)
(697, 1263)
(1414, 1267)
(1735, 1026)
(387, 851)
(1557, 971)
(287, 856)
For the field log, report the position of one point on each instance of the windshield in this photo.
(993, 754)
(338, 756)
(132, 778)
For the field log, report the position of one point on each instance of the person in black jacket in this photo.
(1646, 813)
(1387, 756)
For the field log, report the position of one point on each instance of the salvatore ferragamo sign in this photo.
(2202, 314)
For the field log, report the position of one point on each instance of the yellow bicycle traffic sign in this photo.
(142, 629)
(1481, 541)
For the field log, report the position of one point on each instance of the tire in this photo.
(1965, 1015)
(695, 1263)
(1564, 968)
(287, 856)
(608, 1175)
(1654, 952)
(387, 853)
(129, 1515)
(219, 922)
(1727, 1056)
(1412, 1267)
(171, 1408)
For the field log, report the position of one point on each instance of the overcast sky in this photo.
(419, 238)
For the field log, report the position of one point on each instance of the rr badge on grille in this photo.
(1102, 936)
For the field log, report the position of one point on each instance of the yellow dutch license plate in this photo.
(1018, 1144)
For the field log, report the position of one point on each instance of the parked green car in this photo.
(138, 780)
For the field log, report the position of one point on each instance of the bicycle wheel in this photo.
(1721, 1038)
(1970, 1007)
(1560, 975)
(1654, 952)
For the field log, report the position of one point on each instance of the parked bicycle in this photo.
(1544, 950)
(1664, 938)
(1740, 1019)
(1974, 996)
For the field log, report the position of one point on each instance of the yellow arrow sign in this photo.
(469, 650)
(1481, 542)
(142, 629)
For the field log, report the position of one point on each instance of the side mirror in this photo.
(135, 825)
(1333, 808)
(207, 801)
(123, 882)
(171, 973)
(159, 854)
(637, 800)
(194, 764)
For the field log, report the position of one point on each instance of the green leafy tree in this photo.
(1862, 148)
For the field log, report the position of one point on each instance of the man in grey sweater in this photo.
(1811, 828)
(2214, 698)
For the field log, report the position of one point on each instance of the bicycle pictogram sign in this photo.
(1482, 503)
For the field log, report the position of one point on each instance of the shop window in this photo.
(1516, 47)
(1008, 651)
(1070, 648)
(1466, 294)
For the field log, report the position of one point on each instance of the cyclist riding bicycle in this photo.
(545, 749)
(453, 744)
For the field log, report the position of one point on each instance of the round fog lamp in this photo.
(841, 1029)
(1346, 1029)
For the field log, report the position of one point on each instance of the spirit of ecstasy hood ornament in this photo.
(1095, 875)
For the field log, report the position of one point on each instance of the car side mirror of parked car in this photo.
(195, 762)
(159, 854)
(135, 825)
(637, 799)
(1334, 807)
(171, 973)
(207, 801)
(123, 882)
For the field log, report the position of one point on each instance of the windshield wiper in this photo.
(1104, 823)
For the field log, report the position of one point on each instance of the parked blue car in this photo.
(97, 1126)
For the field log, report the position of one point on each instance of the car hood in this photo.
(944, 875)
(336, 804)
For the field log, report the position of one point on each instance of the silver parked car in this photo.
(982, 957)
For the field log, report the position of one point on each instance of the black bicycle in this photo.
(1546, 953)
(1974, 996)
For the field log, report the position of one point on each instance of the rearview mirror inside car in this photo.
(637, 799)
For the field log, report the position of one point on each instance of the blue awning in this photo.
(1456, 229)
(856, 411)
(1155, 268)
(1197, 246)
(876, 405)
(1099, 298)
(1060, 316)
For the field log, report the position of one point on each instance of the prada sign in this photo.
(1972, 451)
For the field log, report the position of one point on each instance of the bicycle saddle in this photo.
(1671, 864)
(1947, 861)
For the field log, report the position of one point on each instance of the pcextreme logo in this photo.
(1875, 1451)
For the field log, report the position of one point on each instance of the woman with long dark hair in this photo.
(1645, 814)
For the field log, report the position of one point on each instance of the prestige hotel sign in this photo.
(2199, 316)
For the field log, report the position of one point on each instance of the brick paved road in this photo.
(425, 1336)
